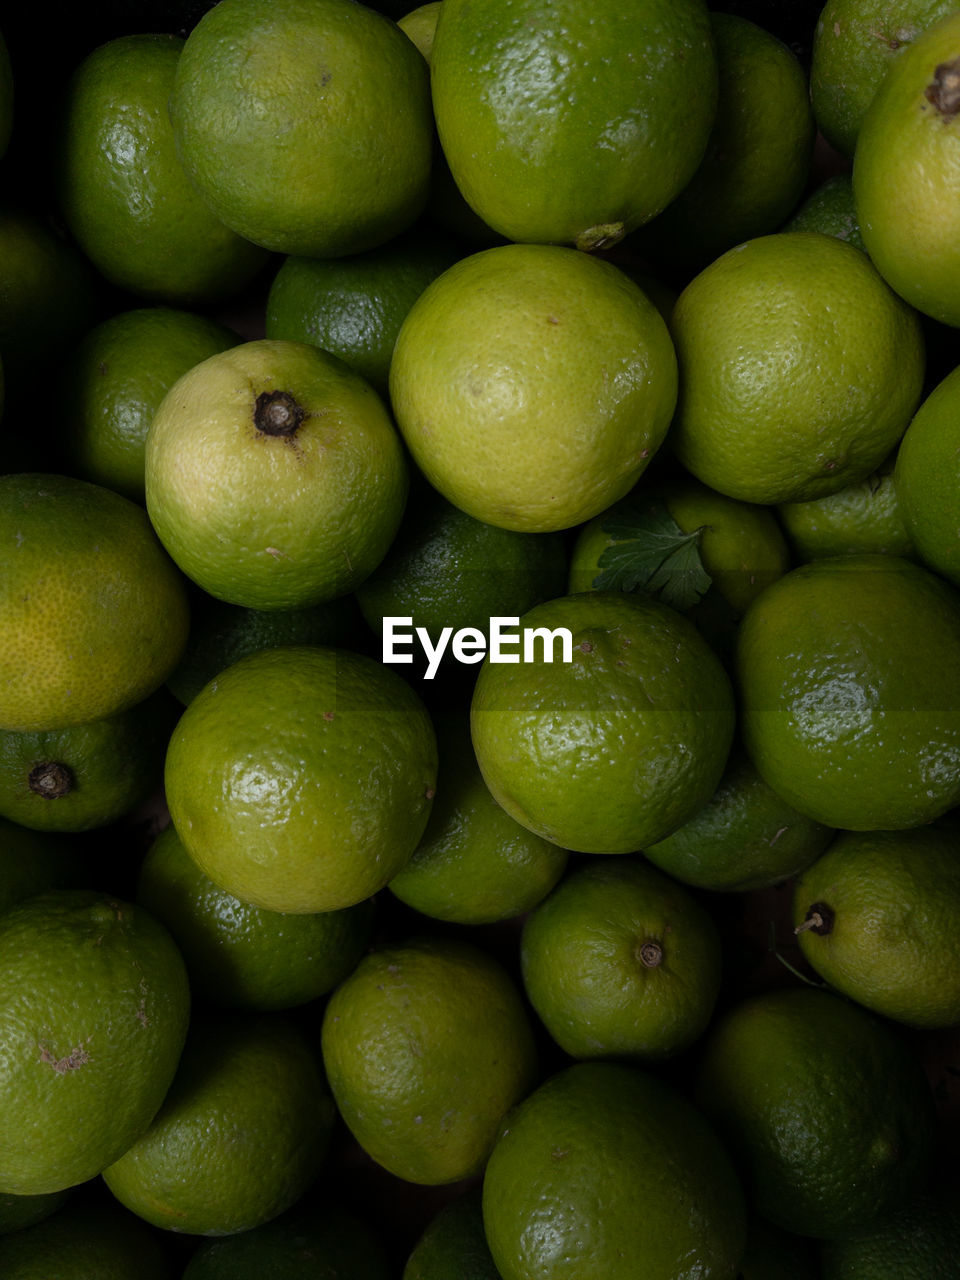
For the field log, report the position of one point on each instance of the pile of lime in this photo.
(480, 640)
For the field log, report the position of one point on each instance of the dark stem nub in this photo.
(277, 413)
(50, 780)
(651, 953)
(819, 919)
(944, 89)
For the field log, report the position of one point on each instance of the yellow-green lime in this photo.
(123, 192)
(563, 125)
(305, 124)
(93, 1016)
(906, 173)
(474, 864)
(854, 45)
(427, 1045)
(88, 775)
(446, 569)
(532, 385)
(825, 1109)
(311, 1242)
(112, 384)
(799, 369)
(746, 837)
(93, 614)
(89, 1238)
(863, 517)
(620, 961)
(605, 1164)
(920, 1241)
(927, 479)
(33, 861)
(420, 26)
(333, 809)
(615, 744)
(831, 210)
(453, 1244)
(241, 956)
(221, 634)
(241, 1134)
(354, 306)
(875, 917)
(274, 475)
(758, 155)
(849, 676)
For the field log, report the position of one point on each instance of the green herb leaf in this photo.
(651, 553)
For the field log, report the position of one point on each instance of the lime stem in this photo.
(276, 413)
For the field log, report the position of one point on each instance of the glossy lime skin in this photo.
(550, 129)
(825, 1110)
(849, 674)
(95, 993)
(576, 1160)
(122, 190)
(337, 805)
(865, 517)
(830, 209)
(927, 478)
(617, 747)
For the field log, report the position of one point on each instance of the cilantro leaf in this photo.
(651, 553)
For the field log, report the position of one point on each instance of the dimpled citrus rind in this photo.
(849, 677)
(274, 521)
(927, 478)
(799, 369)
(426, 1046)
(93, 1014)
(532, 385)
(93, 615)
(333, 808)
(573, 1162)
(617, 747)
(504, 77)
(305, 124)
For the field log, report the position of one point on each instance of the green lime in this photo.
(494, 384)
(758, 155)
(849, 674)
(337, 805)
(604, 1165)
(354, 306)
(112, 384)
(854, 45)
(17, 1212)
(799, 369)
(474, 864)
(241, 1134)
(87, 775)
(876, 919)
(93, 615)
(617, 742)
(620, 961)
(93, 1016)
(305, 124)
(505, 78)
(920, 1241)
(427, 1045)
(240, 956)
(87, 1239)
(453, 1244)
(34, 861)
(305, 1244)
(420, 26)
(122, 190)
(927, 479)
(831, 210)
(221, 634)
(825, 1109)
(274, 475)
(746, 837)
(863, 517)
(447, 570)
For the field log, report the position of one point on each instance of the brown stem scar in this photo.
(50, 779)
(276, 413)
(943, 91)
